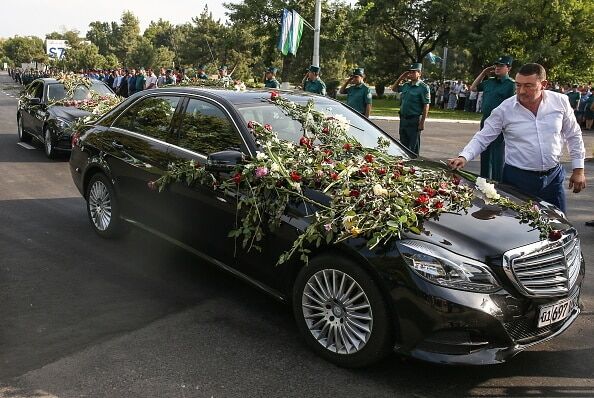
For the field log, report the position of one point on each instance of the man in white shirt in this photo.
(535, 123)
(151, 80)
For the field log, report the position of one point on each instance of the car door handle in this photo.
(117, 145)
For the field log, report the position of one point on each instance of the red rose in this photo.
(381, 171)
(412, 170)
(456, 180)
(396, 174)
(423, 199)
(250, 124)
(325, 130)
(274, 95)
(347, 147)
(369, 158)
(442, 191)
(295, 176)
(237, 178)
(430, 191)
(438, 205)
(364, 169)
(334, 175)
(328, 152)
(354, 193)
(304, 141)
(268, 127)
(555, 234)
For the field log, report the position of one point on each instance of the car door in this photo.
(205, 216)
(138, 154)
(29, 110)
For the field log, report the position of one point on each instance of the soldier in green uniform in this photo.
(270, 78)
(574, 99)
(312, 82)
(201, 72)
(415, 98)
(496, 86)
(358, 93)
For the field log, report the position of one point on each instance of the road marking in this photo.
(26, 146)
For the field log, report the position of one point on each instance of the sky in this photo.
(38, 17)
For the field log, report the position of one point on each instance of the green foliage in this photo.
(84, 56)
(22, 49)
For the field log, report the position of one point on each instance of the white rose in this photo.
(274, 167)
(261, 156)
(378, 190)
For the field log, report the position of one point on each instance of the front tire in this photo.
(341, 313)
(103, 208)
(48, 145)
(23, 137)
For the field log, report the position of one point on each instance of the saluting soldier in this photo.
(497, 86)
(201, 72)
(312, 82)
(358, 93)
(270, 78)
(415, 98)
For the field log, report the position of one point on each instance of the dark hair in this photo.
(533, 69)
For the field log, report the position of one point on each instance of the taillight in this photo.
(75, 139)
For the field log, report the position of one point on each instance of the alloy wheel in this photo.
(100, 205)
(337, 311)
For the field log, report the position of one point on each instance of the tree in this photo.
(101, 35)
(160, 33)
(22, 49)
(84, 56)
(126, 36)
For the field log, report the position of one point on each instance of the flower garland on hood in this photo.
(367, 192)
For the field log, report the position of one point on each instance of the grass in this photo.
(390, 107)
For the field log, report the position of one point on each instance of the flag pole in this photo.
(317, 23)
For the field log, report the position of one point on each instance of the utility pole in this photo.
(317, 23)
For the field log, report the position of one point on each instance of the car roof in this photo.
(251, 96)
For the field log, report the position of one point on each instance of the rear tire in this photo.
(341, 313)
(23, 136)
(103, 207)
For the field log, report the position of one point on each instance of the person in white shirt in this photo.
(151, 80)
(535, 124)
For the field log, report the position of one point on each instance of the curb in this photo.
(393, 118)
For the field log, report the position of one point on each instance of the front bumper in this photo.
(455, 327)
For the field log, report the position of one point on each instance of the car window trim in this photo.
(138, 135)
(226, 111)
(173, 94)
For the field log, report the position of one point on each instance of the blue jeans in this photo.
(548, 187)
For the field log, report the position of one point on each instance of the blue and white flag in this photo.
(290, 32)
(433, 58)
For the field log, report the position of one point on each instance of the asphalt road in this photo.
(84, 317)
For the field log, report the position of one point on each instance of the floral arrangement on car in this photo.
(369, 193)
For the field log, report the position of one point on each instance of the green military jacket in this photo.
(358, 97)
(495, 91)
(316, 86)
(413, 98)
(272, 83)
(202, 76)
(574, 98)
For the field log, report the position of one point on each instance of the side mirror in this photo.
(35, 101)
(224, 161)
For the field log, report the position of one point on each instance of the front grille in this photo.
(545, 269)
(524, 331)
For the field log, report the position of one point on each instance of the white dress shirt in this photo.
(532, 142)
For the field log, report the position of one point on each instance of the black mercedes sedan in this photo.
(472, 287)
(42, 116)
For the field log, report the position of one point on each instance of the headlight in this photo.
(62, 124)
(446, 268)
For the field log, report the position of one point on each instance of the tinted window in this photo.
(206, 129)
(291, 130)
(150, 116)
(57, 91)
(35, 90)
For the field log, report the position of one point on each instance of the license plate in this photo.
(557, 312)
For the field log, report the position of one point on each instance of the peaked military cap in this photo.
(417, 66)
(504, 60)
(202, 66)
(358, 72)
(314, 69)
(272, 70)
(223, 67)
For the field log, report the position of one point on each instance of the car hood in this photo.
(484, 230)
(68, 112)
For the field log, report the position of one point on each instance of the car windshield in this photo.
(57, 91)
(290, 130)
